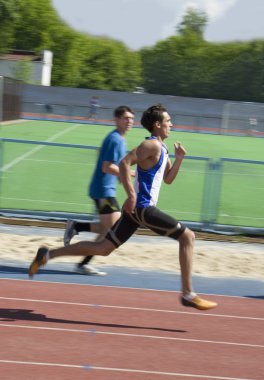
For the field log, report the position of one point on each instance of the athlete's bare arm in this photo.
(145, 155)
(112, 168)
(172, 170)
(148, 154)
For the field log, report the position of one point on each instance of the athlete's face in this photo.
(165, 126)
(125, 122)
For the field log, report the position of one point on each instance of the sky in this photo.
(142, 23)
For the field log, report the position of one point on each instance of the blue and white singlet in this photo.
(148, 182)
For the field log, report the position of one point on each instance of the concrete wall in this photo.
(190, 114)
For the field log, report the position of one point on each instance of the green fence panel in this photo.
(242, 194)
(46, 178)
(211, 192)
(54, 177)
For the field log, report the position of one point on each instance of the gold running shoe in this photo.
(198, 303)
(39, 260)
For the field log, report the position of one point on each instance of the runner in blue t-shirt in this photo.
(103, 185)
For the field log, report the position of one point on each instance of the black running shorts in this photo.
(106, 205)
(150, 217)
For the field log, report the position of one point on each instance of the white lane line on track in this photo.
(37, 148)
(142, 336)
(90, 368)
(59, 283)
(131, 308)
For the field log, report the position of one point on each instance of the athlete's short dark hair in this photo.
(119, 111)
(152, 115)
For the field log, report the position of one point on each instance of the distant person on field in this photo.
(153, 167)
(94, 108)
(48, 109)
(103, 185)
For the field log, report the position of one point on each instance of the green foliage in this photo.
(68, 48)
(183, 65)
(242, 76)
(194, 21)
(177, 65)
(36, 21)
(189, 66)
(8, 16)
(79, 60)
(22, 71)
(109, 65)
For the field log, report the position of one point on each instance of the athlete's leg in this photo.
(105, 207)
(116, 236)
(189, 297)
(109, 212)
(43, 255)
(106, 222)
(82, 248)
(186, 242)
(165, 225)
(119, 233)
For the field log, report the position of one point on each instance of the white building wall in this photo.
(40, 72)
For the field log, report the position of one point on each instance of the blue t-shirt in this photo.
(113, 149)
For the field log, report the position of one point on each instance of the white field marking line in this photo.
(226, 215)
(117, 287)
(129, 308)
(90, 368)
(157, 337)
(40, 200)
(183, 212)
(228, 173)
(60, 162)
(37, 148)
(244, 175)
(221, 214)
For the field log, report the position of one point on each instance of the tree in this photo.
(194, 21)
(35, 25)
(8, 18)
(176, 66)
(241, 72)
(182, 65)
(109, 65)
(69, 49)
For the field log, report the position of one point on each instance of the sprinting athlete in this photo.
(102, 188)
(153, 167)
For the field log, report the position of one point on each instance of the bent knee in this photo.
(187, 237)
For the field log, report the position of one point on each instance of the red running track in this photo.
(80, 332)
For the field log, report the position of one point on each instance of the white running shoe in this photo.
(88, 270)
(70, 232)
